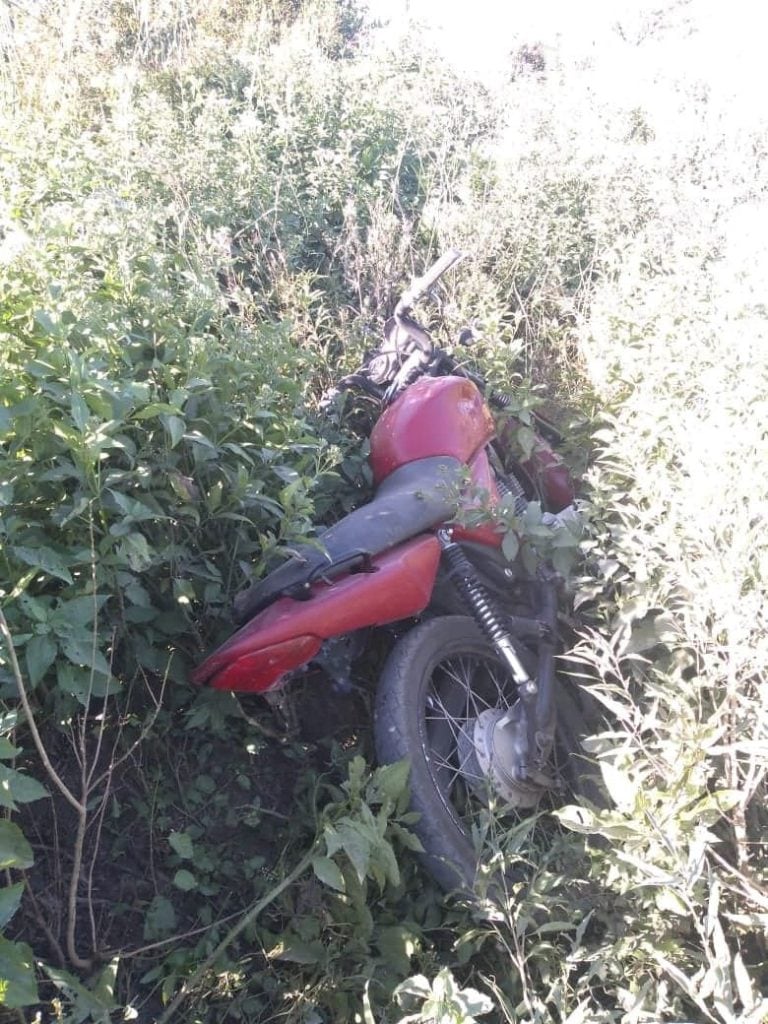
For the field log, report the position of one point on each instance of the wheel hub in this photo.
(493, 757)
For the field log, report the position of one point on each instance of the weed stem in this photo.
(234, 931)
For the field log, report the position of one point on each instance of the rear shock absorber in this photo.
(482, 607)
(507, 483)
(510, 485)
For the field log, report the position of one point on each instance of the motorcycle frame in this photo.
(396, 585)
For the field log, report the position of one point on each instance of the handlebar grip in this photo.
(421, 285)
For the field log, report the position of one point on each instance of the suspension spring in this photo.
(482, 607)
(511, 486)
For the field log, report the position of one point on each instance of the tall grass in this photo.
(204, 207)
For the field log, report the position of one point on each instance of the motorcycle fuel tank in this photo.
(435, 416)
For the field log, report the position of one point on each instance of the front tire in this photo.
(436, 681)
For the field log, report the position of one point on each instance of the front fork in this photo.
(536, 695)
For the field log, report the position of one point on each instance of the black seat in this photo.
(412, 499)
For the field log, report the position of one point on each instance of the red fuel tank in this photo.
(435, 416)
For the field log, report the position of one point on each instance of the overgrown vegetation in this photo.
(204, 208)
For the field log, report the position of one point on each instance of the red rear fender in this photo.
(289, 633)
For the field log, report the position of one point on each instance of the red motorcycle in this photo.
(468, 693)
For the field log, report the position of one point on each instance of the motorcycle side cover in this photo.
(289, 633)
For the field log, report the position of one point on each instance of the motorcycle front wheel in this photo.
(442, 692)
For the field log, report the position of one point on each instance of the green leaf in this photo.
(397, 944)
(385, 856)
(40, 653)
(297, 952)
(622, 788)
(104, 986)
(184, 880)
(81, 414)
(417, 987)
(8, 720)
(44, 321)
(80, 651)
(328, 873)
(356, 847)
(160, 919)
(76, 613)
(7, 749)
(181, 843)
(36, 609)
(46, 559)
(86, 1004)
(474, 1003)
(175, 426)
(155, 409)
(214, 496)
(669, 902)
(407, 839)
(18, 986)
(390, 781)
(532, 515)
(10, 898)
(15, 851)
(355, 775)
(510, 545)
(444, 986)
(15, 786)
(649, 632)
(134, 509)
(135, 550)
(577, 819)
(83, 683)
(526, 438)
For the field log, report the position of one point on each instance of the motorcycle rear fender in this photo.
(289, 633)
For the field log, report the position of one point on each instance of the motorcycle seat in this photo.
(413, 498)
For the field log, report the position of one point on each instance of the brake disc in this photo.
(493, 755)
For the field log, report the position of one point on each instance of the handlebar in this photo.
(418, 351)
(421, 285)
(358, 380)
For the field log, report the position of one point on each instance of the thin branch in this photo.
(248, 918)
(92, 867)
(749, 886)
(74, 882)
(145, 731)
(52, 773)
(53, 942)
(201, 930)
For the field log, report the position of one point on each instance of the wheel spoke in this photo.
(445, 718)
(462, 688)
(504, 698)
(447, 693)
(465, 683)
